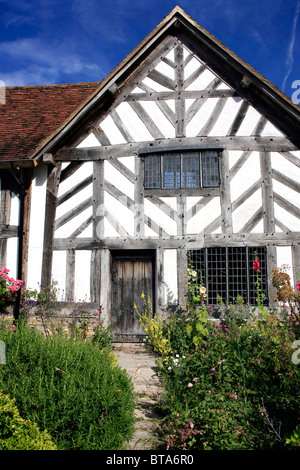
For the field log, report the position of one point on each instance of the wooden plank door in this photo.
(132, 275)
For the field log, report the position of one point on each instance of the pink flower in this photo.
(190, 385)
(256, 265)
(298, 286)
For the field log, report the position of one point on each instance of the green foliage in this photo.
(230, 384)
(237, 387)
(73, 389)
(153, 325)
(17, 433)
(294, 439)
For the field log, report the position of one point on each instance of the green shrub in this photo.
(235, 388)
(294, 439)
(73, 389)
(17, 433)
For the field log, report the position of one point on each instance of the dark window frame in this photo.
(188, 176)
(228, 271)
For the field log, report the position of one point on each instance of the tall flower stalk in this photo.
(260, 295)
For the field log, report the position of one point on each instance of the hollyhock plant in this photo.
(8, 286)
(256, 265)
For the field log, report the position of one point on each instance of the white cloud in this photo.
(47, 63)
(290, 53)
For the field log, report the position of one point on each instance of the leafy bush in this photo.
(17, 433)
(229, 384)
(238, 386)
(72, 389)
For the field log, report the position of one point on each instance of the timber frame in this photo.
(140, 85)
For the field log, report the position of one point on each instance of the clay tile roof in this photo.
(33, 113)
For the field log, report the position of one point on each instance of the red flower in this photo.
(298, 286)
(256, 265)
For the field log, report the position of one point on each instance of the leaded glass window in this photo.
(227, 273)
(185, 169)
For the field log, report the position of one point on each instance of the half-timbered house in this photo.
(183, 148)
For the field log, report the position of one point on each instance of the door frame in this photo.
(150, 254)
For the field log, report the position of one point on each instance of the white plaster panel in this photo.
(159, 118)
(162, 219)
(112, 131)
(36, 232)
(154, 85)
(248, 174)
(186, 52)
(286, 218)
(171, 201)
(201, 117)
(271, 130)
(245, 211)
(227, 116)
(289, 194)
(120, 181)
(83, 172)
(124, 216)
(191, 201)
(89, 141)
(249, 122)
(137, 90)
(135, 125)
(109, 231)
(170, 276)
(170, 55)
(191, 67)
(171, 104)
(201, 82)
(166, 70)
(233, 156)
(88, 232)
(284, 258)
(259, 228)
(129, 162)
(82, 275)
(74, 201)
(287, 168)
(149, 232)
(223, 86)
(67, 229)
(14, 211)
(204, 217)
(12, 254)
(59, 272)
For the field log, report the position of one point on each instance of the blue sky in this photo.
(54, 41)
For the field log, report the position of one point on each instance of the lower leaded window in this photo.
(227, 272)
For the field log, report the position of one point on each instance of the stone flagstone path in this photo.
(139, 362)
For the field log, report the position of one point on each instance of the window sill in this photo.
(171, 192)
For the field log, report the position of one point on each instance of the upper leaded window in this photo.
(186, 169)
